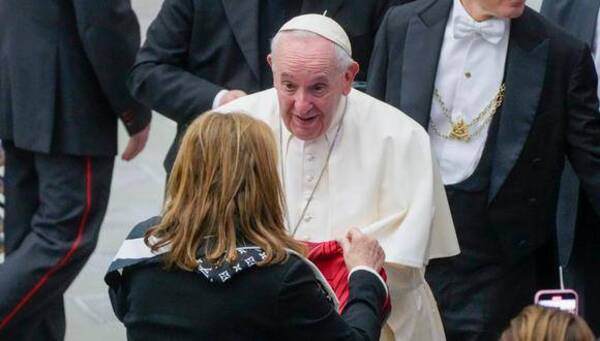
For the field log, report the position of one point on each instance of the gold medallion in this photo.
(460, 131)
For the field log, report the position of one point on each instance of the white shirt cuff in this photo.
(217, 99)
(371, 270)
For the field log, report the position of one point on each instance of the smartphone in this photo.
(563, 299)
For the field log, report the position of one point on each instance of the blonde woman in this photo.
(546, 324)
(219, 264)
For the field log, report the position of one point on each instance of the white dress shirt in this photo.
(469, 75)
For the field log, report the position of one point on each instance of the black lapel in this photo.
(424, 38)
(525, 70)
(243, 19)
(320, 6)
(576, 16)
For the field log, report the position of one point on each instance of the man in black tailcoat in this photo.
(505, 96)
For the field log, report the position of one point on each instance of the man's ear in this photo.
(349, 76)
(270, 60)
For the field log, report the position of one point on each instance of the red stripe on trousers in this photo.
(67, 256)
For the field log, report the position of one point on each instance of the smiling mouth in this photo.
(306, 119)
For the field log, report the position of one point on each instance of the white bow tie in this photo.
(491, 30)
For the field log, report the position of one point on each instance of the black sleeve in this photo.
(306, 313)
(159, 77)
(118, 301)
(110, 35)
(376, 80)
(583, 126)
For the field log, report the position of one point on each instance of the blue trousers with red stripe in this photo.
(55, 205)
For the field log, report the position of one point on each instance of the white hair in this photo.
(342, 59)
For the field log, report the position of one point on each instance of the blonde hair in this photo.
(537, 323)
(224, 189)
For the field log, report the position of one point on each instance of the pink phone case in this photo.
(557, 294)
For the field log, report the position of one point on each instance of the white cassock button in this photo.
(311, 157)
(310, 178)
(307, 219)
(306, 238)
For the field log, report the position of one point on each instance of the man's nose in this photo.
(302, 103)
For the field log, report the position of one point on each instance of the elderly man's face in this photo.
(309, 84)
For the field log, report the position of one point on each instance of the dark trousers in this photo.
(55, 205)
(583, 271)
(478, 296)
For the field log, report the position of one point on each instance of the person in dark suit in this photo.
(220, 265)
(577, 223)
(505, 96)
(63, 71)
(200, 54)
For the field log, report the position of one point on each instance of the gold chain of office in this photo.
(461, 130)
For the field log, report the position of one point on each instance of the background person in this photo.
(535, 322)
(577, 223)
(505, 96)
(220, 265)
(63, 69)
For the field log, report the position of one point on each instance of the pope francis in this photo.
(349, 160)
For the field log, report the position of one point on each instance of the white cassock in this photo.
(381, 178)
